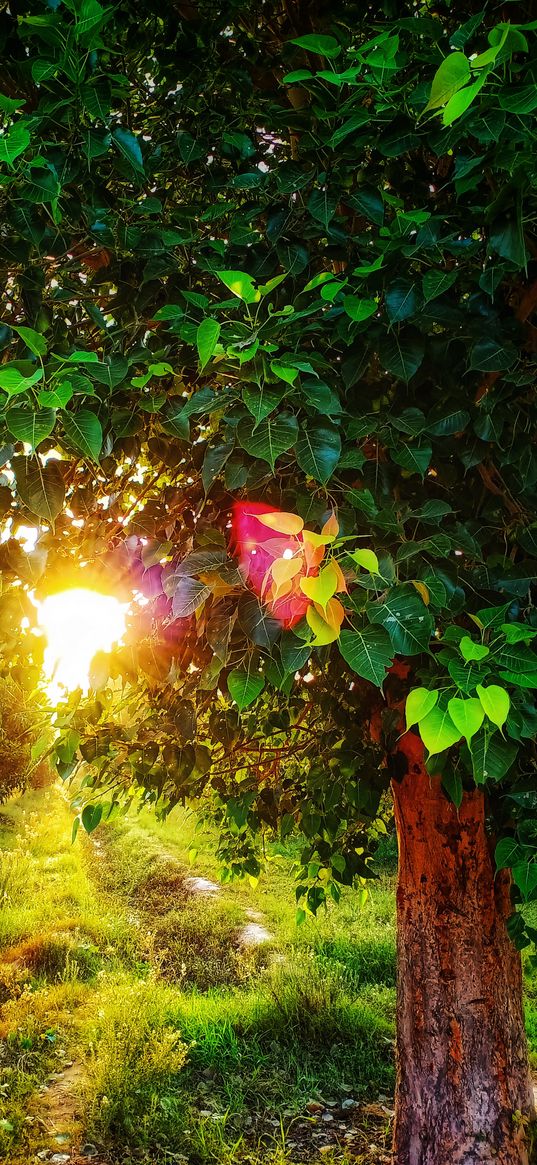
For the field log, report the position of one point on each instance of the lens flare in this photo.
(77, 624)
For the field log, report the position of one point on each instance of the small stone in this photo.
(314, 1106)
(327, 1116)
(325, 1148)
(60, 1158)
(349, 1102)
(89, 1150)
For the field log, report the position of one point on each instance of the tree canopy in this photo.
(283, 255)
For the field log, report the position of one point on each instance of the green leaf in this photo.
(175, 420)
(91, 816)
(518, 659)
(10, 104)
(366, 558)
(207, 339)
(518, 99)
(454, 72)
(269, 439)
(492, 756)
(467, 716)
(518, 632)
(57, 397)
(413, 458)
(284, 371)
(244, 686)
(33, 340)
(447, 423)
(40, 487)
(438, 731)
(520, 679)
(13, 143)
(322, 46)
(401, 354)
(96, 99)
(129, 146)
(419, 702)
(214, 461)
(351, 125)
(318, 450)
(295, 654)
(467, 676)
(322, 206)
(91, 15)
(525, 877)
(496, 703)
(13, 382)
(241, 284)
(368, 201)
(435, 283)
(83, 431)
(406, 619)
(473, 651)
(29, 426)
(359, 309)
(368, 652)
(401, 300)
(452, 784)
(263, 400)
(508, 853)
(489, 355)
(461, 101)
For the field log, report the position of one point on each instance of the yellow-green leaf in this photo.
(495, 702)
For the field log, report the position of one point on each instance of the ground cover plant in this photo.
(212, 1069)
(268, 365)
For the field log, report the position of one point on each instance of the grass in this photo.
(189, 1042)
(189, 1046)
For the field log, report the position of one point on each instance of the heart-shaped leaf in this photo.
(30, 426)
(83, 431)
(40, 487)
(321, 588)
(438, 731)
(244, 686)
(419, 702)
(282, 522)
(467, 716)
(495, 702)
(473, 651)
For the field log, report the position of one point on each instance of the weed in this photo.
(135, 1060)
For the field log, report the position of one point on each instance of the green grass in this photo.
(188, 1042)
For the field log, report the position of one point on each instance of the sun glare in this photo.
(77, 623)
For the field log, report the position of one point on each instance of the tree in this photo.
(283, 253)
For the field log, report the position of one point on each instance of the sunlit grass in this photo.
(108, 974)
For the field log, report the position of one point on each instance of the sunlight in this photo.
(77, 623)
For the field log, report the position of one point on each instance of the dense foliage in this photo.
(286, 254)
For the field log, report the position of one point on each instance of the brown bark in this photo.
(463, 1092)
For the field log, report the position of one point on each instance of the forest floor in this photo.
(150, 1015)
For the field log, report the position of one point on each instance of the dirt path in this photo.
(59, 1111)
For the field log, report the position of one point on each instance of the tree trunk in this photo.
(463, 1089)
